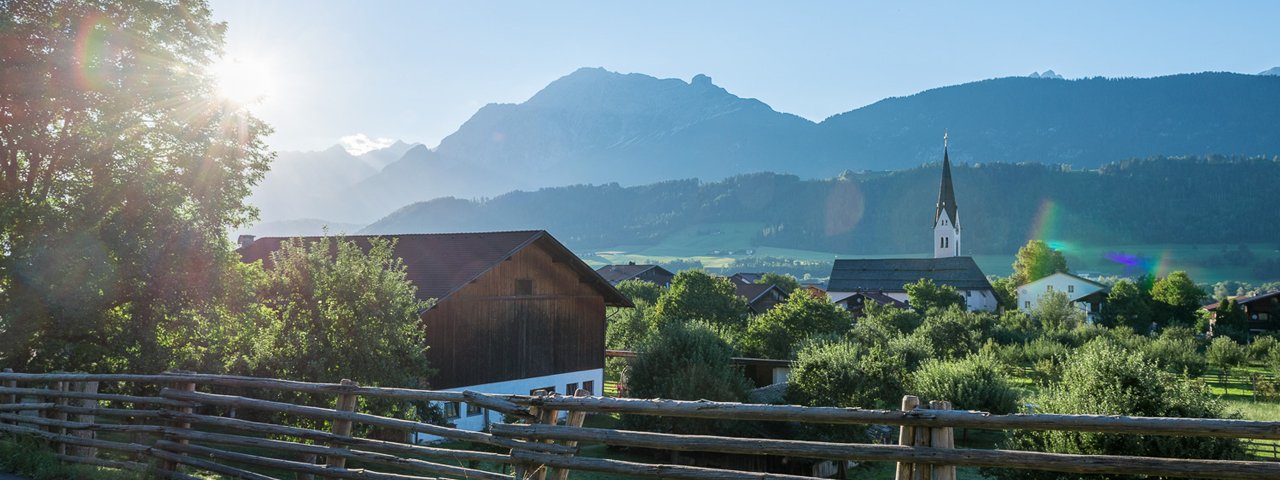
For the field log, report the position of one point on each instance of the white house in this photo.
(1088, 295)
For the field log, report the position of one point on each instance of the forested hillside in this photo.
(1155, 200)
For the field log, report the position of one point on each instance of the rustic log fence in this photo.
(171, 424)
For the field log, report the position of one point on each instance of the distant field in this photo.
(718, 245)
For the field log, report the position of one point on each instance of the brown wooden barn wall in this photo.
(487, 333)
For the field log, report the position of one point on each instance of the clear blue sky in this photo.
(416, 70)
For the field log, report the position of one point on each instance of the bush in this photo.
(1262, 347)
(1175, 351)
(1225, 354)
(842, 374)
(976, 382)
(777, 332)
(1013, 327)
(912, 349)
(684, 361)
(1102, 378)
(955, 333)
(893, 318)
(27, 457)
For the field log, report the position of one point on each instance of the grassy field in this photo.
(717, 245)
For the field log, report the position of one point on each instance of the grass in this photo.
(29, 458)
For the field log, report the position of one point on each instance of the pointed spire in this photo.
(946, 192)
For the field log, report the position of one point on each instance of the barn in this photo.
(515, 312)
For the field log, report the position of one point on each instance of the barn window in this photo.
(571, 389)
(589, 386)
(451, 410)
(524, 286)
(473, 410)
(549, 390)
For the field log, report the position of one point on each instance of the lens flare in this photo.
(244, 81)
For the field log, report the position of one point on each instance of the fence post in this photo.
(59, 401)
(575, 419)
(522, 469)
(87, 387)
(171, 466)
(346, 403)
(11, 398)
(906, 437)
(942, 437)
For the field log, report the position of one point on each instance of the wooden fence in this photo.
(171, 425)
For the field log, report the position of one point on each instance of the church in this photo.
(886, 277)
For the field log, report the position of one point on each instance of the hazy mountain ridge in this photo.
(879, 213)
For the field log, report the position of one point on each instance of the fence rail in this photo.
(173, 423)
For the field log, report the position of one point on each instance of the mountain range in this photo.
(597, 127)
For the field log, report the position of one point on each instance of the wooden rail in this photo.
(103, 420)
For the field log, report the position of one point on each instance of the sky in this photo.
(416, 70)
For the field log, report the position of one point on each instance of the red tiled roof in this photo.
(441, 263)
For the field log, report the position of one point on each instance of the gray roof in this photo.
(615, 274)
(890, 274)
(946, 193)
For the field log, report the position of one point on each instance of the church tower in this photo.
(946, 220)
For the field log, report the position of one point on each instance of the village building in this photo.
(616, 274)
(760, 296)
(1085, 294)
(1262, 311)
(515, 312)
(856, 302)
(947, 267)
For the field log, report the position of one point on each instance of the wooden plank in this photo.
(107, 397)
(1057, 462)
(90, 419)
(575, 419)
(906, 438)
(942, 437)
(103, 444)
(24, 407)
(188, 387)
(81, 426)
(214, 467)
(345, 402)
(1195, 427)
(107, 412)
(326, 413)
(321, 436)
(244, 458)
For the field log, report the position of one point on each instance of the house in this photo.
(856, 302)
(1086, 294)
(887, 277)
(760, 296)
(616, 274)
(746, 277)
(1262, 311)
(515, 312)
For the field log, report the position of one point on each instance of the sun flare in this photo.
(243, 81)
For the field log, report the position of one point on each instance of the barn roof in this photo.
(619, 273)
(439, 264)
(890, 274)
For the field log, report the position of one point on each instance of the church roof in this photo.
(946, 193)
(890, 274)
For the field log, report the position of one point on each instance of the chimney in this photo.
(245, 240)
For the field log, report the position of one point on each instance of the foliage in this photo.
(1176, 299)
(912, 349)
(1225, 354)
(843, 374)
(925, 296)
(1036, 260)
(1261, 347)
(1015, 326)
(1006, 292)
(786, 282)
(628, 328)
(777, 332)
(976, 382)
(120, 173)
(697, 295)
(1176, 351)
(1230, 319)
(1127, 304)
(1102, 378)
(893, 318)
(640, 290)
(685, 361)
(339, 312)
(29, 458)
(1056, 312)
(956, 332)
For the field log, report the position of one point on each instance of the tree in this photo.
(684, 361)
(640, 290)
(1230, 319)
(1103, 378)
(777, 332)
(120, 174)
(1055, 312)
(975, 382)
(926, 296)
(1225, 354)
(1037, 260)
(1176, 299)
(339, 312)
(786, 282)
(896, 319)
(1127, 304)
(956, 332)
(1006, 290)
(697, 295)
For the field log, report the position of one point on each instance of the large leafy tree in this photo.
(1037, 260)
(1176, 299)
(120, 173)
(926, 296)
(778, 332)
(1128, 304)
(698, 295)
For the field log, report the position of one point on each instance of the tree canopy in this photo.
(698, 295)
(926, 296)
(778, 332)
(1037, 260)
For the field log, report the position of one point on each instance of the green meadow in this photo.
(719, 245)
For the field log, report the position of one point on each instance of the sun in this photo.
(242, 80)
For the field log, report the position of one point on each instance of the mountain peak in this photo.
(1274, 72)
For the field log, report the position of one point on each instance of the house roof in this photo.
(753, 291)
(746, 277)
(1078, 295)
(619, 273)
(1240, 300)
(878, 297)
(439, 264)
(890, 274)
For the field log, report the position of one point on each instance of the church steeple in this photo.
(946, 219)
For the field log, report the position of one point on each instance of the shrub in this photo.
(684, 361)
(1176, 351)
(1262, 347)
(1102, 378)
(1015, 326)
(27, 457)
(1225, 354)
(955, 332)
(976, 382)
(777, 332)
(912, 349)
(894, 318)
(842, 374)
